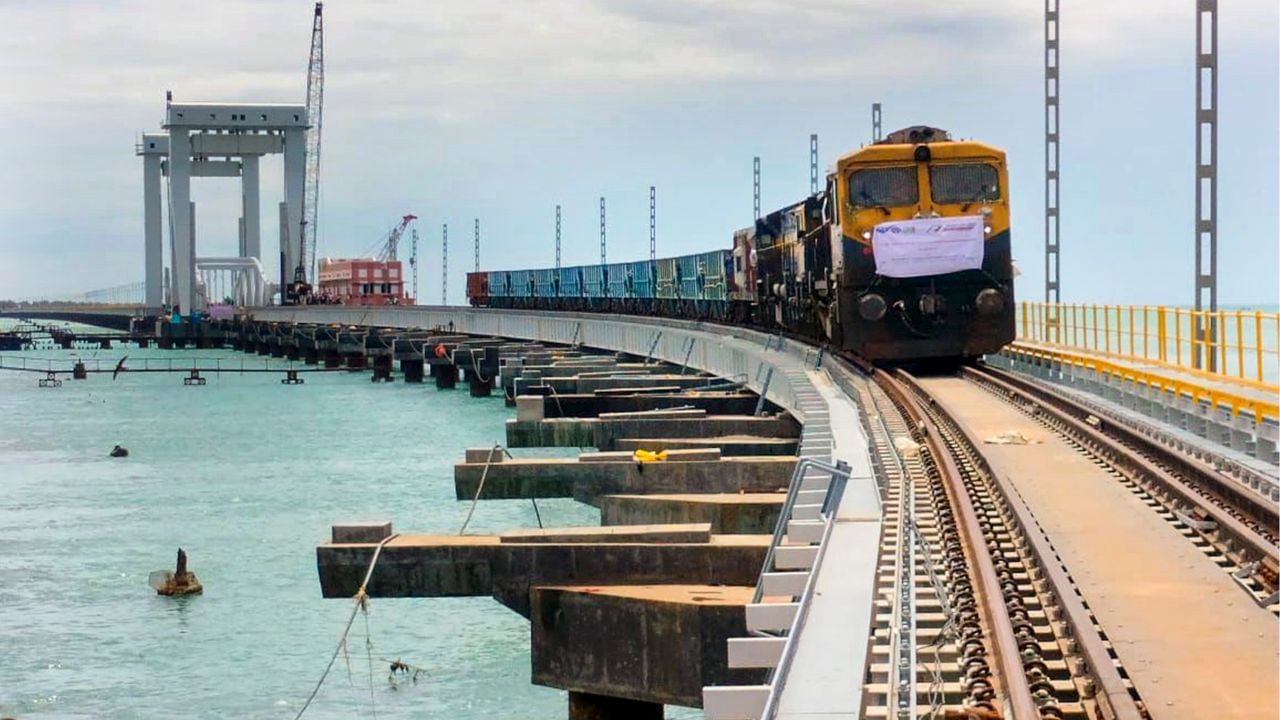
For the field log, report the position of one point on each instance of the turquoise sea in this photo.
(247, 475)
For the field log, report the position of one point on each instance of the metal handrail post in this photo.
(793, 490)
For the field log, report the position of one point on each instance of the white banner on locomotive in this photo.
(928, 246)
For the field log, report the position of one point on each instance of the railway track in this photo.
(1232, 517)
(969, 624)
(978, 613)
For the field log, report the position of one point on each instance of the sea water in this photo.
(247, 475)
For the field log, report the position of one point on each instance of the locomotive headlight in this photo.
(987, 229)
(986, 211)
(872, 307)
(866, 234)
(989, 301)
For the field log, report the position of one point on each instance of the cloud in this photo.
(427, 101)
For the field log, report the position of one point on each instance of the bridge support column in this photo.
(332, 359)
(446, 376)
(250, 207)
(294, 176)
(480, 387)
(153, 241)
(382, 365)
(413, 369)
(311, 356)
(586, 706)
(184, 266)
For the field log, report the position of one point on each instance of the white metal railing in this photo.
(840, 475)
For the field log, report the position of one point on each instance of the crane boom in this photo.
(392, 242)
(315, 108)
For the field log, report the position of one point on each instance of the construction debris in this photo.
(1011, 437)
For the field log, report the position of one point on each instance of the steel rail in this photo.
(1265, 510)
(1112, 693)
(1202, 487)
(1020, 703)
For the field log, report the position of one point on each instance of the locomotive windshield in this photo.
(884, 187)
(964, 183)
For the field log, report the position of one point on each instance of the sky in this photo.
(499, 110)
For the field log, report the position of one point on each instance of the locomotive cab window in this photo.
(964, 183)
(884, 187)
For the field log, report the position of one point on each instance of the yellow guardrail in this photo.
(1241, 346)
(1260, 410)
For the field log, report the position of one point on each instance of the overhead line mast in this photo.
(1052, 156)
(1206, 329)
(413, 263)
(311, 184)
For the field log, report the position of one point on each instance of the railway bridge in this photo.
(1084, 526)
(1061, 533)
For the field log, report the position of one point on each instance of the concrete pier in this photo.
(633, 614)
(587, 481)
(595, 404)
(413, 370)
(675, 639)
(728, 445)
(469, 565)
(446, 375)
(728, 513)
(604, 432)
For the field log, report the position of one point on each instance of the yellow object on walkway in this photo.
(647, 456)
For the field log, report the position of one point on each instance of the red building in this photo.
(362, 281)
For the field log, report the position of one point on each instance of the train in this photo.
(903, 256)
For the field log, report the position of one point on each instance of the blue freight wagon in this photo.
(544, 283)
(595, 286)
(570, 290)
(640, 279)
(520, 288)
(715, 274)
(616, 283)
(688, 277)
(716, 270)
(498, 284)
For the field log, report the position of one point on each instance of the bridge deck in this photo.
(1194, 644)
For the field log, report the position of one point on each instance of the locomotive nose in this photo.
(990, 301)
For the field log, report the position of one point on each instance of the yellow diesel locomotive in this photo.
(904, 256)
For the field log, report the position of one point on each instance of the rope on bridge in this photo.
(480, 488)
(360, 603)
